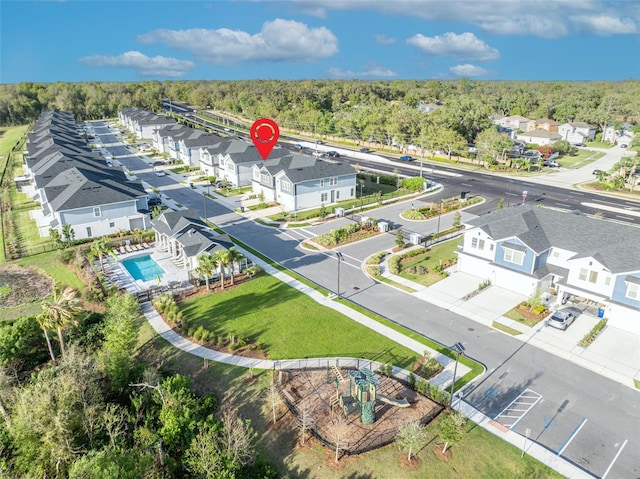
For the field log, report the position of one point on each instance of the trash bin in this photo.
(242, 209)
(601, 312)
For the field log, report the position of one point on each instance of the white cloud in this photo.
(605, 25)
(541, 18)
(468, 70)
(384, 40)
(142, 64)
(466, 45)
(370, 71)
(279, 41)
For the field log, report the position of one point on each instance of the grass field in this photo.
(50, 264)
(582, 158)
(289, 324)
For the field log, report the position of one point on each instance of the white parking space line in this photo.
(564, 204)
(625, 217)
(614, 459)
(517, 409)
(570, 438)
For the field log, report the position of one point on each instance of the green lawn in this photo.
(48, 262)
(289, 324)
(582, 158)
(429, 260)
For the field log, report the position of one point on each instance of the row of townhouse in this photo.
(143, 123)
(524, 248)
(295, 181)
(75, 186)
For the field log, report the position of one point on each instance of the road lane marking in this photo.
(570, 438)
(576, 193)
(607, 202)
(563, 204)
(625, 217)
(519, 407)
(614, 459)
(466, 184)
(610, 208)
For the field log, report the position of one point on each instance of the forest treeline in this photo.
(357, 109)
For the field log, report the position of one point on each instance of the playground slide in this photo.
(394, 402)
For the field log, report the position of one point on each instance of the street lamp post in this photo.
(340, 259)
(204, 201)
(458, 348)
(439, 215)
(361, 197)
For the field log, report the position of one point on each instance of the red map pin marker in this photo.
(264, 134)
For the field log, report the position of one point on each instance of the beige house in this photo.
(543, 124)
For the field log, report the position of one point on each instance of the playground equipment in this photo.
(362, 395)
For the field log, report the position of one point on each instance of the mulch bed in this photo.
(524, 310)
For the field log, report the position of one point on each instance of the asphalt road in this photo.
(588, 419)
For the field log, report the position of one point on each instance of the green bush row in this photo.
(593, 334)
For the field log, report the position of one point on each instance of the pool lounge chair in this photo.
(122, 250)
(146, 245)
(128, 249)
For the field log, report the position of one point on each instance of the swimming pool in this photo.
(143, 268)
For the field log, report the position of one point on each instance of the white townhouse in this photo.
(189, 146)
(76, 187)
(162, 137)
(300, 182)
(525, 247)
(539, 137)
(143, 123)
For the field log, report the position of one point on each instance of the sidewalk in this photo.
(614, 354)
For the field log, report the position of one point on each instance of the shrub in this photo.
(385, 369)
(540, 309)
(593, 334)
(373, 270)
(394, 264)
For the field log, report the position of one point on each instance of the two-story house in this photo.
(543, 124)
(143, 123)
(513, 123)
(526, 247)
(162, 137)
(577, 132)
(236, 161)
(190, 144)
(300, 182)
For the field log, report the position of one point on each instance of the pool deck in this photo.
(117, 274)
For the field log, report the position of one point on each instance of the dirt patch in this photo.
(20, 285)
(311, 391)
(407, 464)
(444, 457)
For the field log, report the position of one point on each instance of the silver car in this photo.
(562, 318)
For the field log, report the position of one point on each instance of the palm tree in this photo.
(234, 258)
(99, 248)
(60, 311)
(206, 266)
(222, 258)
(138, 234)
(45, 323)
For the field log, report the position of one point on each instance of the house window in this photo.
(556, 254)
(333, 181)
(265, 177)
(96, 212)
(477, 243)
(513, 256)
(112, 224)
(323, 197)
(89, 233)
(256, 174)
(351, 192)
(322, 183)
(607, 280)
(285, 185)
(633, 291)
(338, 195)
(589, 276)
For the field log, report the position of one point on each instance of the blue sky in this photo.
(47, 41)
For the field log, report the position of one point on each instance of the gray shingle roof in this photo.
(616, 246)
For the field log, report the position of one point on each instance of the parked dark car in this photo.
(319, 142)
(364, 150)
(157, 163)
(154, 202)
(562, 318)
(333, 154)
(624, 145)
(597, 171)
(406, 158)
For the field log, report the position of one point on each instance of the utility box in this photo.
(383, 226)
(339, 212)
(415, 238)
(365, 221)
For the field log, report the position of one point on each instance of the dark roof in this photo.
(616, 246)
(299, 168)
(171, 223)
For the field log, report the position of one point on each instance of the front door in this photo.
(333, 196)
